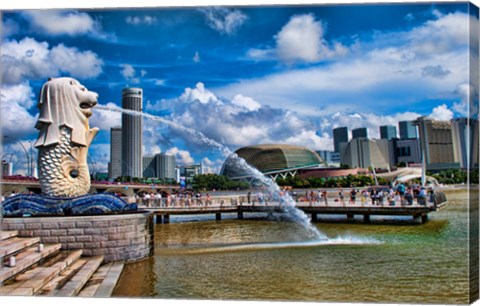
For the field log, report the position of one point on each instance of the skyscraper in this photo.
(436, 143)
(465, 141)
(132, 99)
(165, 166)
(363, 152)
(359, 133)
(149, 166)
(407, 130)
(388, 132)
(339, 135)
(115, 165)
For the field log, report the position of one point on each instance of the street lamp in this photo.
(26, 153)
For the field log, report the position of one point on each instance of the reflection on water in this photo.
(267, 260)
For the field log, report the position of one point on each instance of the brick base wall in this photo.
(127, 237)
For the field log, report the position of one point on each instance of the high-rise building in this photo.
(465, 144)
(189, 171)
(436, 143)
(407, 130)
(359, 133)
(330, 158)
(7, 168)
(363, 153)
(115, 164)
(339, 135)
(132, 99)
(404, 151)
(165, 167)
(149, 166)
(388, 132)
(460, 140)
(474, 135)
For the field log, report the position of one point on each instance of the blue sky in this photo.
(242, 75)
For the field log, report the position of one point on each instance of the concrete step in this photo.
(102, 283)
(4, 235)
(26, 260)
(69, 267)
(30, 282)
(14, 245)
(78, 281)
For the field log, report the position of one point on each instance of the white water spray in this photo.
(287, 203)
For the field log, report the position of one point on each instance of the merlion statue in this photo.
(64, 137)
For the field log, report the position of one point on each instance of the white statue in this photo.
(64, 137)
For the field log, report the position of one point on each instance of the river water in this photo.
(390, 260)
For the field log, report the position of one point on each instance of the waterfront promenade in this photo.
(241, 206)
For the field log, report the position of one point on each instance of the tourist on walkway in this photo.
(409, 196)
(158, 199)
(353, 194)
(341, 197)
(325, 197)
(373, 196)
(146, 199)
(422, 196)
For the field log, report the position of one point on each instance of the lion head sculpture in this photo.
(64, 102)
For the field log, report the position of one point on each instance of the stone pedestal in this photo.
(127, 237)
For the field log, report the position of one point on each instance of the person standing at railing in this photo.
(158, 199)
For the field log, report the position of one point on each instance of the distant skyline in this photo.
(242, 75)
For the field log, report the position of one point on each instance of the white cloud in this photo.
(129, 73)
(441, 113)
(21, 94)
(30, 59)
(198, 93)
(104, 119)
(159, 82)
(196, 57)
(141, 20)
(388, 70)
(224, 20)
(301, 39)
(61, 22)
(182, 157)
(465, 93)
(16, 121)
(246, 102)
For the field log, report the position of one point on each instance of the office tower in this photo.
(474, 156)
(388, 132)
(329, 157)
(363, 153)
(149, 166)
(359, 133)
(407, 130)
(7, 168)
(165, 166)
(339, 135)
(405, 151)
(465, 141)
(132, 133)
(436, 143)
(460, 140)
(115, 165)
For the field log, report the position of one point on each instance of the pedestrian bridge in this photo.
(240, 206)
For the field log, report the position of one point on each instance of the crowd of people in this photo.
(183, 199)
(379, 195)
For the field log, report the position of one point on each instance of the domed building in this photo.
(271, 159)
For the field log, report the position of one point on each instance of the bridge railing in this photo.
(190, 201)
